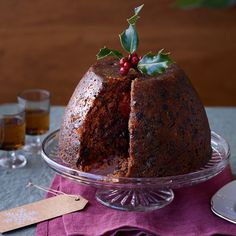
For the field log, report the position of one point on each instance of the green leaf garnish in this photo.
(104, 52)
(138, 9)
(129, 39)
(132, 20)
(152, 64)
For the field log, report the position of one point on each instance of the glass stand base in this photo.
(136, 194)
(33, 148)
(135, 200)
(18, 161)
(33, 145)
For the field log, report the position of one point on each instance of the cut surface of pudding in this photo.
(142, 126)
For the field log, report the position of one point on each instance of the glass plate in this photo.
(137, 194)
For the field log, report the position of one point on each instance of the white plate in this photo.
(223, 203)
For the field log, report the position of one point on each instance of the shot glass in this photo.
(12, 137)
(36, 104)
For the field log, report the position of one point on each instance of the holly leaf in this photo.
(105, 52)
(129, 39)
(152, 64)
(138, 9)
(132, 20)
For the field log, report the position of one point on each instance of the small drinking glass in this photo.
(36, 103)
(12, 137)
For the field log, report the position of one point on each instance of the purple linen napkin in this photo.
(188, 214)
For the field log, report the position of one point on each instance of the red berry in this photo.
(123, 60)
(140, 57)
(127, 65)
(134, 54)
(123, 71)
(134, 60)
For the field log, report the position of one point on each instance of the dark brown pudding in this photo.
(157, 126)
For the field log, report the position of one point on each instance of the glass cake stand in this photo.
(136, 194)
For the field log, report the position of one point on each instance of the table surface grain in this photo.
(13, 190)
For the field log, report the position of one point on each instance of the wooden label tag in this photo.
(39, 211)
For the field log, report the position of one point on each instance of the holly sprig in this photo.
(149, 64)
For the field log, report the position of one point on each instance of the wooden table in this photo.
(51, 44)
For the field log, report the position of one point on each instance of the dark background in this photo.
(51, 44)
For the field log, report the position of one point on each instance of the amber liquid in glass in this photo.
(37, 121)
(12, 133)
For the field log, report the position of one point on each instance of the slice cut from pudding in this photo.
(151, 126)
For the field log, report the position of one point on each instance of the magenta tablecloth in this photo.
(188, 214)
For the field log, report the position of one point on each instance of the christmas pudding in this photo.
(141, 115)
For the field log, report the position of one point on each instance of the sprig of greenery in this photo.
(132, 20)
(104, 52)
(150, 64)
(129, 38)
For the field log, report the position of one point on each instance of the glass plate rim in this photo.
(86, 177)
